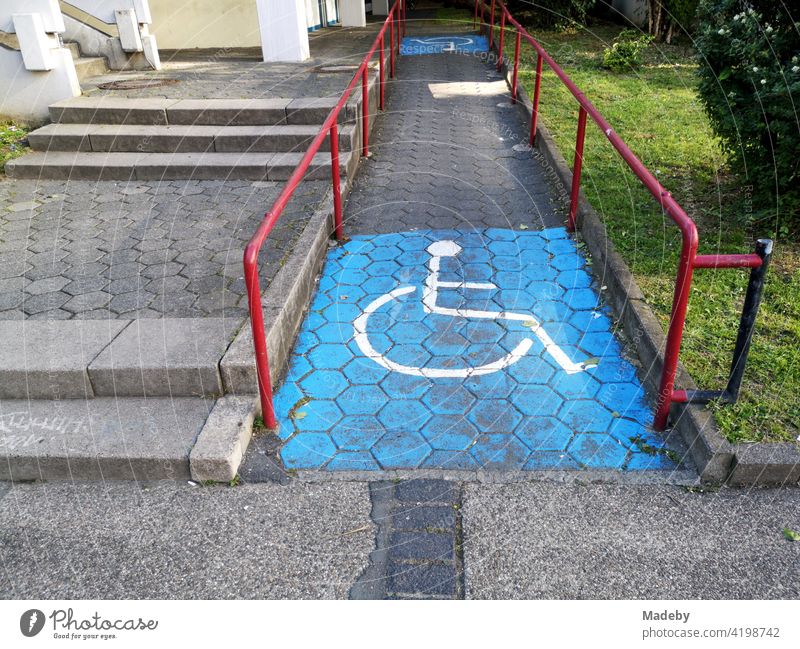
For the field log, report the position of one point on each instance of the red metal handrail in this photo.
(689, 260)
(329, 128)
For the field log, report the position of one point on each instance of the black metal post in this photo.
(752, 300)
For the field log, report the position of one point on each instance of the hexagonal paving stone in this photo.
(405, 386)
(357, 432)
(615, 370)
(530, 370)
(600, 343)
(581, 299)
(581, 385)
(449, 399)
(404, 414)
(409, 355)
(409, 332)
(88, 301)
(537, 400)
(649, 462)
(598, 451)
(448, 344)
(495, 416)
(384, 253)
(335, 333)
(298, 368)
(401, 450)
(453, 460)
(353, 461)
(622, 397)
(324, 384)
(585, 416)
(364, 371)
(627, 432)
(449, 432)
(362, 400)
(329, 356)
(307, 451)
(544, 434)
(499, 452)
(317, 415)
(550, 460)
(491, 386)
(382, 268)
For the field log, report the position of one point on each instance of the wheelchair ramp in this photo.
(508, 362)
(459, 327)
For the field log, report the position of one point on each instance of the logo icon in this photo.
(31, 622)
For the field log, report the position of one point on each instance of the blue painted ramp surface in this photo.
(462, 350)
(461, 44)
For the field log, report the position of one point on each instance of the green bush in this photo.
(749, 56)
(550, 13)
(626, 51)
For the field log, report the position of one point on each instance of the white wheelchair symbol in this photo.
(430, 295)
(453, 42)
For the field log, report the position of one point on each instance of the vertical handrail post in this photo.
(259, 338)
(502, 38)
(752, 300)
(335, 181)
(577, 165)
(365, 112)
(391, 45)
(537, 84)
(491, 26)
(680, 304)
(399, 37)
(516, 69)
(380, 73)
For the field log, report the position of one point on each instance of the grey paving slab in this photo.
(60, 240)
(99, 439)
(177, 541)
(48, 359)
(169, 356)
(552, 541)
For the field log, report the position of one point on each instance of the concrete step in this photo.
(93, 166)
(105, 109)
(81, 359)
(90, 66)
(74, 49)
(283, 138)
(124, 438)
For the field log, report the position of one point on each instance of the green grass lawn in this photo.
(657, 112)
(10, 146)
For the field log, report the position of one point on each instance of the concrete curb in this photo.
(285, 302)
(717, 460)
(222, 442)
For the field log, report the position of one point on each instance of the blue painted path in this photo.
(344, 408)
(465, 44)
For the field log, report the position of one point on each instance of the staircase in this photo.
(86, 66)
(151, 139)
